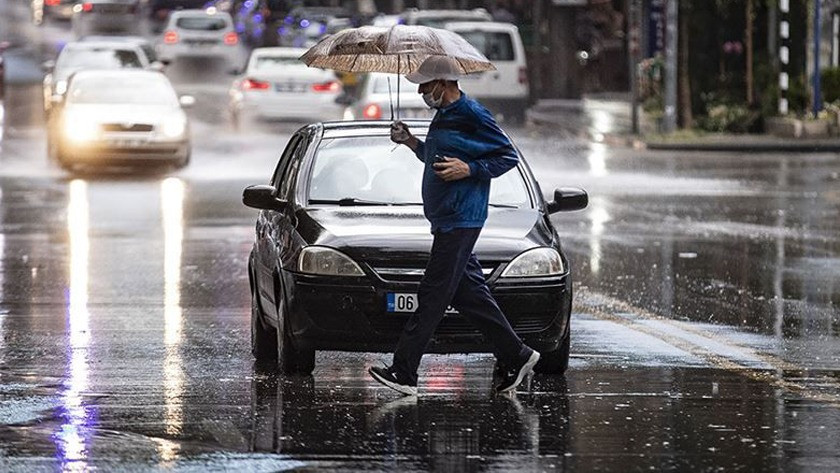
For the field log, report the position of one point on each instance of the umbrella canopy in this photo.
(399, 49)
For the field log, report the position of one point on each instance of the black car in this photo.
(341, 245)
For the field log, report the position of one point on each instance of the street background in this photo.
(704, 331)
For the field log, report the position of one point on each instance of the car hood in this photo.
(382, 233)
(115, 113)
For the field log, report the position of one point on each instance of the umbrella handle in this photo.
(398, 86)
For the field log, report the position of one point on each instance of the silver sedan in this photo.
(120, 118)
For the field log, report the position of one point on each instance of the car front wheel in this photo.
(555, 361)
(290, 359)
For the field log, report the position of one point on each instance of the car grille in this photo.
(458, 325)
(414, 274)
(127, 127)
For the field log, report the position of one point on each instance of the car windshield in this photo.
(201, 23)
(271, 62)
(370, 169)
(126, 90)
(98, 58)
(496, 46)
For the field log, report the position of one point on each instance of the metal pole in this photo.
(633, 47)
(784, 55)
(817, 39)
(669, 123)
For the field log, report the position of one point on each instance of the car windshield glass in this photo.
(201, 23)
(270, 62)
(98, 58)
(496, 46)
(126, 90)
(371, 169)
(380, 84)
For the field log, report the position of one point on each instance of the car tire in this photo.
(555, 362)
(290, 359)
(263, 336)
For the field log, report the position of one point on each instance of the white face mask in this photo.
(429, 98)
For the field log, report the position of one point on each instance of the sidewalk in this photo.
(606, 118)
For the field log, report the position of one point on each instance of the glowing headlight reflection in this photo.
(71, 438)
(598, 215)
(172, 211)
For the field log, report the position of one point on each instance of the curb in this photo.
(766, 146)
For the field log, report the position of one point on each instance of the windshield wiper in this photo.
(353, 201)
(504, 206)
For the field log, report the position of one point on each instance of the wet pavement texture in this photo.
(704, 332)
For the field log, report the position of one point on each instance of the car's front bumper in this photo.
(114, 154)
(337, 314)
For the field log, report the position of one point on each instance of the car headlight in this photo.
(535, 262)
(327, 262)
(174, 127)
(80, 128)
(60, 87)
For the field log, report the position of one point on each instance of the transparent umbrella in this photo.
(399, 49)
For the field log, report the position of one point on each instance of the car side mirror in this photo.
(48, 66)
(158, 66)
(262, 197)
(344, 99)
(567, 199)
(186, 101)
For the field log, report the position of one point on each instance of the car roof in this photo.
(114, 39)
(482, 25)
(116, 74)
(348, 129)
(476, 13)
(279, 51)
(200, 13)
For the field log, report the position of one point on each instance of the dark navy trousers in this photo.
(453, 277)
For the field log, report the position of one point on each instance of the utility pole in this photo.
(669, 123)
(784, 55)
(817, 106)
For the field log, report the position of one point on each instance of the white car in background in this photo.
(277, 85)
(83, 55)
(120, 118)
(199, 34)
(504, 91)
(377, 92)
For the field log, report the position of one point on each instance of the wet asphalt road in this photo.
(705, 325)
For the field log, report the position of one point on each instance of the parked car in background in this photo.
(376, 94)
(41, 10)
(276, 85)
(341, 245)
(504, 91)
(120, 118)
(199, 33)
(439, 18)
(106, 16)
(81, 55)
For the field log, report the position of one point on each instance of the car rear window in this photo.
(201, 23)
(496, 46)
(370, 168)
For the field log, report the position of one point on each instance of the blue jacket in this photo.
(465, 130)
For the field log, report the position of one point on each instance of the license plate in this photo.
(127, 143)
(407, 302)
(289, 88)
